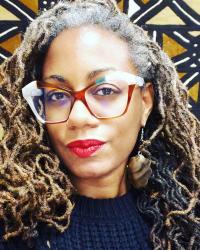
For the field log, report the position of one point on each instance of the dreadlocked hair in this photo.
(32, 184)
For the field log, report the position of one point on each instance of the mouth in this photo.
(85, 152)
(85, 148)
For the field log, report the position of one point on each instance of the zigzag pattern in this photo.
(175, 25)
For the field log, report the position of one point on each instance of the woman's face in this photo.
(73, 54)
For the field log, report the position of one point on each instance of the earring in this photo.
(138, 168)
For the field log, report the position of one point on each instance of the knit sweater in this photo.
(96, 224)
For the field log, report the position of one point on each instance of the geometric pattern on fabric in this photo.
(175, 25)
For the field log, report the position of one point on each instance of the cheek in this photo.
(56, 132)
(127, 135)
(129, 126)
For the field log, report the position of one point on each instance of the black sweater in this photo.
(96, 224)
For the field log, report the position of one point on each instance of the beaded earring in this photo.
(138, 167)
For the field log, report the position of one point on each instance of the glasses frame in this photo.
(27, 92)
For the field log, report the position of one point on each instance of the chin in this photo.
(92, 172)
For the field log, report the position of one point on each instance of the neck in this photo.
(110, 186)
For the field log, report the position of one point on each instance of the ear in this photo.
(147, 95)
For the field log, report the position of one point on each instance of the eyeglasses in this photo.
(108, 97)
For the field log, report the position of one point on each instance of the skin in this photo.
(73, 54)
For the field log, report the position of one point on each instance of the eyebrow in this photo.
(90, 75)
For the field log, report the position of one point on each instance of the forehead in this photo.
(89, 45)
(89, 36)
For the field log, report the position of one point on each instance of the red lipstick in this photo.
(85, 148)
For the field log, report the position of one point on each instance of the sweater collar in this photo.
(119, 207)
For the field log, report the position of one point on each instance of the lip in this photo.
(85, 148)
(85, 143)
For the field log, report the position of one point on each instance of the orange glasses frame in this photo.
(80, 95)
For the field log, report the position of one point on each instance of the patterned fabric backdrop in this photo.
(174, 24)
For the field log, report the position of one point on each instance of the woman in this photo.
(101, 96)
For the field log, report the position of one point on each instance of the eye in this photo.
(106, 90)
(55, 96)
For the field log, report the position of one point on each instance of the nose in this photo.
(81, 117)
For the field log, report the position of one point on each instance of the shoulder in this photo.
(15, 243)
(1, 239)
